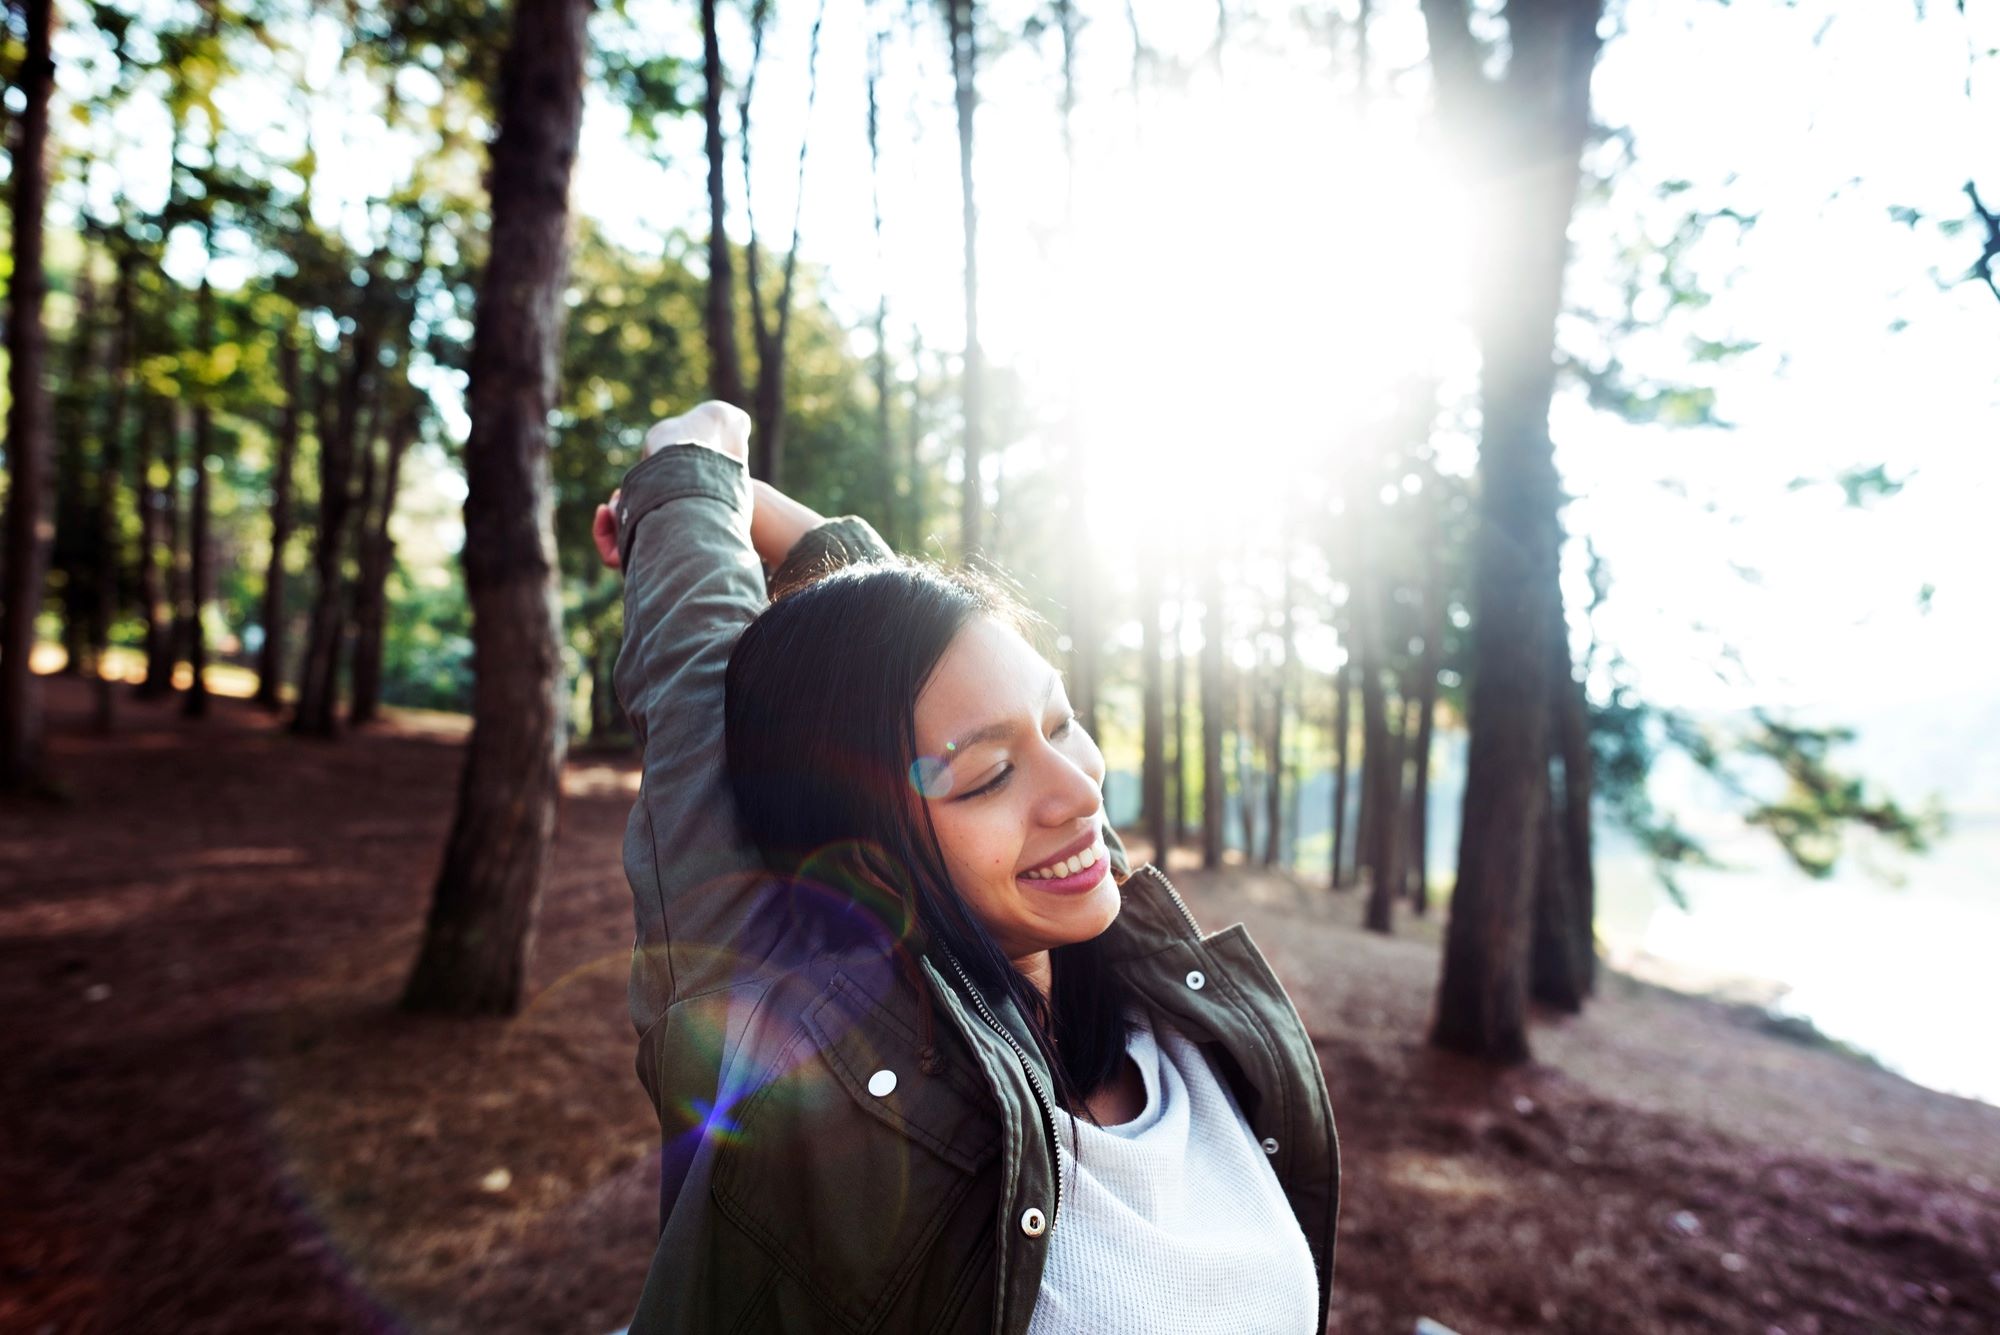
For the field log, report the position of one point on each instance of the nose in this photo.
(1073, 782)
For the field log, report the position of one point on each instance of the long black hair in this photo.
(820, 723)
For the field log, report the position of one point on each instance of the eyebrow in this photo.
(992, 731)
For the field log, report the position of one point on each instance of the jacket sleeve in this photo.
(692, 583)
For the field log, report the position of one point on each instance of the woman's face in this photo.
(1014, 786)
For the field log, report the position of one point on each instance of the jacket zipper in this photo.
(1193, 927)
(1027, 1069)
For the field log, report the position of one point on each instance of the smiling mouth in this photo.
(1079, 871)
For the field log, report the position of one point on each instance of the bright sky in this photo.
(1235, 214)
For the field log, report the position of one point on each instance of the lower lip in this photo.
(1086, 879)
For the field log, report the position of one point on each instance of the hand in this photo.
(715, 425)
(722, 427)
(604, 533)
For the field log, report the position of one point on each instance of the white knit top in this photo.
(1174, 1221)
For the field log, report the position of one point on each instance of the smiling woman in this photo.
(927, 1054)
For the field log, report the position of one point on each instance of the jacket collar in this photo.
(1152, 917)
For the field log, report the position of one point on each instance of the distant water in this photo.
(1903, 973)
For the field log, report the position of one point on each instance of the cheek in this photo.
(983, 845)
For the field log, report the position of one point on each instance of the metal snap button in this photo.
(882, 1084)
(1033, 1222)
(1197, 980)
(1270, 1145)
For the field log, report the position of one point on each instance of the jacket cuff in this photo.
(673, 473)
(848, 540)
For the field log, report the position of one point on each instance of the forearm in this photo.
(692, 582)
(687, 532)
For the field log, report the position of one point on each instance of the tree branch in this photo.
(1983, 266)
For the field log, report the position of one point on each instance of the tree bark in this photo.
(105, 545)
(1579, 771)
(156, 509)
(74, 551)
(319, 669)
(180, 567)
(1343, 692)
(480, 930)
(1562, 950)
(767, 442)
(1381, 767)
(901, 534)
(23, 759)
(1153, 727)
(201, 551)
(1249, 701)
(1274, 792)
(962, 20)
(1211, 714)
(271, 653)
(725, 360)
(1084, 620)
(1528, 131)
(1427, 686)
(378, 558)
(1180, 819)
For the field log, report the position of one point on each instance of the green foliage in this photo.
(427, 641)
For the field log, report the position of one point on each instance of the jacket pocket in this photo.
(850, 1161)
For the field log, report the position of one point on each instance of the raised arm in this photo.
(693, 536)
(692, 582)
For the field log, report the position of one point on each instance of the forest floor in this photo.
(211, 1118)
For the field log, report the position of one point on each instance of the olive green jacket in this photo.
(854, 1139)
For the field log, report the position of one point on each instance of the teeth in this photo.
(1069, 866)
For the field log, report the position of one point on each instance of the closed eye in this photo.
(991, 785)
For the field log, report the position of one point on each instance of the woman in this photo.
(926, 1056)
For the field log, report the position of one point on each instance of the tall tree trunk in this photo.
(1249, 701)
(1180, 821)
(1381, 767)
(1343, 692)
(1562, 950)
(105, 545)
(1555, 973)
(901, 534)
(1427, 686)
(180, 565)
(1084, 621)
(271, 653)
(1527, 130)
(76, 519)
(201, 550)
(767, 442)
(962, 19)
(1211, 714)
(1579, 771)
(22, 756)
(725, 360)
(913, 436)
(378, 557)
(156, 509)
(477, 939)
(1153, 726)
(1274, 792)
(319, 669)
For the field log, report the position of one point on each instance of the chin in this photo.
(1093, 914)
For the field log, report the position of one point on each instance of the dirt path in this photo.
(211, 1119)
